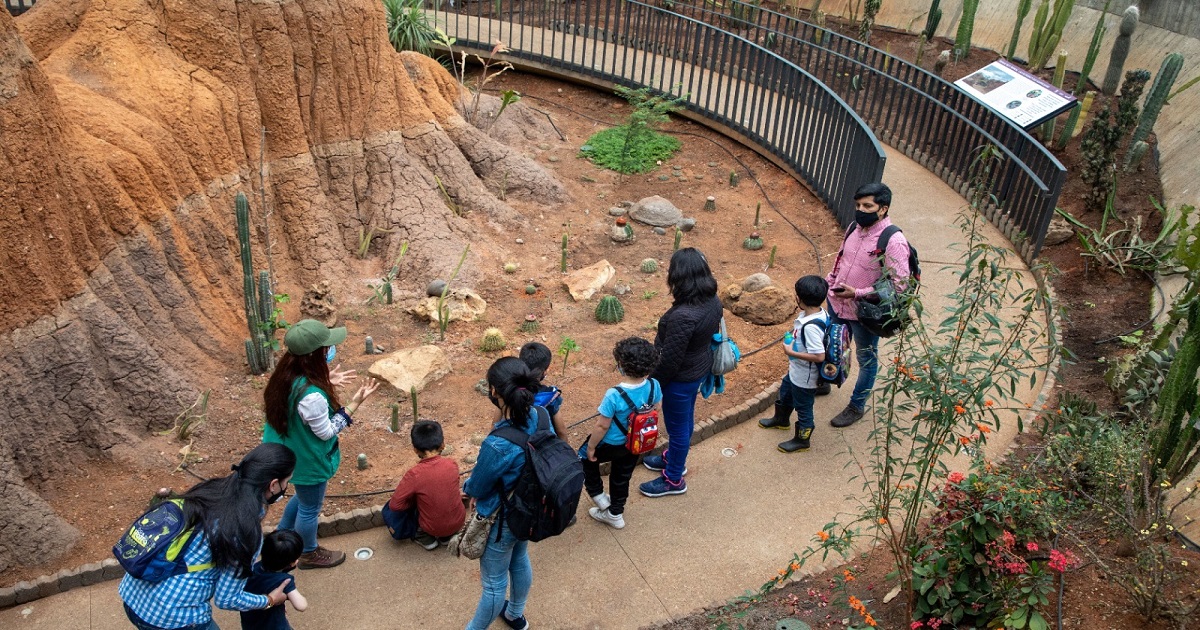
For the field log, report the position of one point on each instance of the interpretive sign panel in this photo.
(1016, 94)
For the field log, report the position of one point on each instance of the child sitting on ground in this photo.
(636, 359)
(281, 551)
(427, 504)
(805, 348)
(537, 358)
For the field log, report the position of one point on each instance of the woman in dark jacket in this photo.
(684, 342)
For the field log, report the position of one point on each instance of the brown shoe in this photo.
(322, 558)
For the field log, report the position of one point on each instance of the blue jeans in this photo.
(501, 560)
(142, 625)
(866, 352)
(302, 512)
(679, 415)
(799, 398)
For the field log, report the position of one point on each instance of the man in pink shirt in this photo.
(853, 277)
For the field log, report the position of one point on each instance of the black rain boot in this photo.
(823, 388)
(782, 419)
(798, 443)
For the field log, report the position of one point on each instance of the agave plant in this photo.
(409, 27)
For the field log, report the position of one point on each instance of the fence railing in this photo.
(926, 117)
(17, 7)
(724, 77)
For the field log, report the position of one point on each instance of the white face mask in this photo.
(330, 354)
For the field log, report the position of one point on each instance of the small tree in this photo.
(636, 146)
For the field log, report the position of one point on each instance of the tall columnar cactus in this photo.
(1159, 90)
(1047, 31)
(870, 9)
(1120, 50)
(1174, 433)
(1022, 11)
(966, 27)
(1060, 73)
(609, 310)
(931, 20)
(258, 354)
(1084, 74)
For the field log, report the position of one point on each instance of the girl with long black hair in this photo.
(227, 514)
(684, 338)
(305, 414)
(511, 388)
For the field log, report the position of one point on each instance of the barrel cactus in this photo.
(493, 340)
(649, 265)
(609, 310)
(530, 289)
(510, 267)
(530, 325)
(753, 242)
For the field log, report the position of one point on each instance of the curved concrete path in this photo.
(741, 520)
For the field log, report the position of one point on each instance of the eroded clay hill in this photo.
(127, 127)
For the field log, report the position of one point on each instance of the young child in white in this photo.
(636, 359)
(805, 351)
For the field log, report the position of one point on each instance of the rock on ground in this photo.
(768, 306)
(656, 211)
(583, 283)
(412, 367)
(462, 304)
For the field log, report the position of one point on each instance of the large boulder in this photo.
(462, 304)
(582, 284)
(767, 305)
(656, 211)
(412, 367)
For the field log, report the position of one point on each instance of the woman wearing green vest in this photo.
(304, 414)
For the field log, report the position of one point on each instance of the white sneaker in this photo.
(602, 501)
(616, 521)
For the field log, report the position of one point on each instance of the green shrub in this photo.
(409, 27)
(636, 146)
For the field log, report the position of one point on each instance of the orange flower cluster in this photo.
(858, 607)
(823, 535)
(847, 575)
(959, 409)
(983, 428)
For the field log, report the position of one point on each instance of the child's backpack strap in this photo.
(632, 407)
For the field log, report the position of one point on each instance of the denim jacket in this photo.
(499, 464)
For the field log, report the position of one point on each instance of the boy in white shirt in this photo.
(805, 348)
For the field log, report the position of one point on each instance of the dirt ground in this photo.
(104, 496)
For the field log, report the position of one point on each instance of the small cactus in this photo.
(609, 310)
(395, 418)
(757, 213)
(510, 267)
(649, 265)
(1120, 50)
(753, 242)
(493, 340)
(362, 461)
(530, 289)
(530, 325)
(710, 204)
(1135, 155)
(940, 65)
(562, 266)
(771, 258)
(734, 178)
(678, 238)
(370, 343)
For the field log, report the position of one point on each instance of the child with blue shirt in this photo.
(805, 349)
(281, 551)
(636, 359)
(537, 357)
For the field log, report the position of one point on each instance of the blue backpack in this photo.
(154, 546)
(836, 337)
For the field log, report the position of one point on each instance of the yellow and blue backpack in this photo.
(154, 546)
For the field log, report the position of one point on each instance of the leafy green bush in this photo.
(409, 27)
(636, 146)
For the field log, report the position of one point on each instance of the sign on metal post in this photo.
(1014, 93)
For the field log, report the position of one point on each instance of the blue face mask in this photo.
(329, 354)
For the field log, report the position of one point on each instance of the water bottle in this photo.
(788, 338)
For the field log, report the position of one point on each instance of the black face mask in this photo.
(495, 401)
(274, 498)
(865, 219)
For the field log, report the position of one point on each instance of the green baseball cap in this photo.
(308, 335)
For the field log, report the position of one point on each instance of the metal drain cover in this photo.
(729, 451)
(364, 553)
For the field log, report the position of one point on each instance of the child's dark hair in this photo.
(280, 549)
(877, 190)
(811, 290)
(427, 436)
(537, 357)
(636, 356)
(515, 385)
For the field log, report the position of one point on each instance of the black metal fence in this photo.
(926, 117)
(17, 7)
(724, 77)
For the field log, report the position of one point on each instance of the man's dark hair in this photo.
(537, 357)
(636, 356)
(426, 436)
(280, 549)
(878, 190)
(811, 290)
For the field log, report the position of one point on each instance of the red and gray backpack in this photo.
(641, 426)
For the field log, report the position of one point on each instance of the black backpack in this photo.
(887, 311)
(546, 494)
